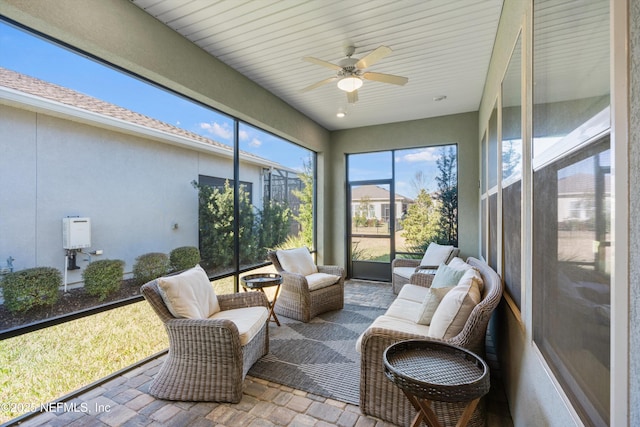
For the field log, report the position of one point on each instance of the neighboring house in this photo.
(576, 201)
(68, 154)
(374, 202)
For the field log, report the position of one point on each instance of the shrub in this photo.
(150, 266)
(103, 277)
(184, 257)
(31, 288)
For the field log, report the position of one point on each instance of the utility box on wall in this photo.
(76, 233)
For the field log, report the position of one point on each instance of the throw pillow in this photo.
(297, 261)
(430, 304)
(189, 294)
(436, 254)
(456, 306)
(459, 264)
(446, 276)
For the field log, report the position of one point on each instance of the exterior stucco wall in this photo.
(120, 33)
(133, 189)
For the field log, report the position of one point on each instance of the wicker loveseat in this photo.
(379, 397)
(302, 295)
(208, 358)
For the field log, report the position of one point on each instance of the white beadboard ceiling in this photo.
(442, 46)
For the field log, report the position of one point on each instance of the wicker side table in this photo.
(260, 281)
(431, 370)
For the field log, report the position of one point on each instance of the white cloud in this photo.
(424, 155)
(244, 135)
(255, 142)
(223, 131)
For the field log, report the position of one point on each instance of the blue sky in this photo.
(33, 56)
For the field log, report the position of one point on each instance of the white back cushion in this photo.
(297, 260)
(459, 264)
(189, 294)
(436, 254)
(456, 306)
(431, 303)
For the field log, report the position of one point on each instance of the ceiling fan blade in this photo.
(322, 63)
(373, 57)
(386, 78)
(352, 97)
(318, 84)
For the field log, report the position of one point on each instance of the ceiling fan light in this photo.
(349, 84)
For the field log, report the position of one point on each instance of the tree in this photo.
(216, 222)
(510, 157)
(420, 224)
(274, 224)
(447, 181)
(305, 212)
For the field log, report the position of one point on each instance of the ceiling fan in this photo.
(350, 72)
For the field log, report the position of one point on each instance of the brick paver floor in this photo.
(124, 400)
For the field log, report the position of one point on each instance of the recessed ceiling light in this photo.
(340, 114)
(440, 98)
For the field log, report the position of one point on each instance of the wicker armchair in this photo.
(297, 301)
(380, 398)
(206, 361)
(402, 270)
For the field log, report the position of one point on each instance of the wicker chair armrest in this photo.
(404, 262)
(242, 300)
(426, 267)
(375, 341)
(294, 282)
(199, 336)
(422, 279)
(200, 323)
(336, 270)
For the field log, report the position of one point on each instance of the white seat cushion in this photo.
(436, 254)
(395, 324)
(189, 294)
(405, 272)
(321, 280)
(297, 260)
(456, 306)
(248, 320)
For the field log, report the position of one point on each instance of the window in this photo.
(572, 175)
(400, 201)
(571, 273)
(511, 181)
(221, 183)
(140, 184)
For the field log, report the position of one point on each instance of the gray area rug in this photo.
(320, 356)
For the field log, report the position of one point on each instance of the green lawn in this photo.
(41, 366)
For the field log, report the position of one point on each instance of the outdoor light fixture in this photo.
(340, 114)
(350, 83)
